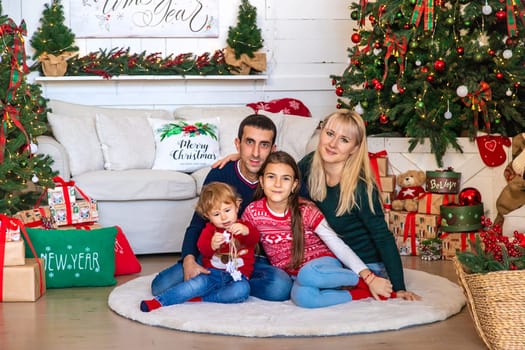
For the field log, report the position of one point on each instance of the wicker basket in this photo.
(496, 301)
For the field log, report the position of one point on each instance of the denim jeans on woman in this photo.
(267, 282)
(317, 283)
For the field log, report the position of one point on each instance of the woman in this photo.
(340, 181)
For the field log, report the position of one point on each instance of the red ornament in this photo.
(372, 19)
(356, 38)
(460, 50)
(383, 118)
(439, 65)
(517, 84)
(491, 52)
(406, 25)
(484, 86)
(338, 106)
(430, 78)
(377, 45)
(379, 86)
(501, 15)
(469, 196)
(499, 75)
(510, 42)
(400, 89)
(424, 69)
(339, 91)
(333, 81)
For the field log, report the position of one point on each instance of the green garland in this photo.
(119, 61)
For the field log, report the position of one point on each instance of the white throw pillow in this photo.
(184, 145)
(79, 136)
(127, 142)
(295, 134)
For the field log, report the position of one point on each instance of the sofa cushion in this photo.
(79, 137)
(127, 142)
(82, 144)
(185, 145)
(294, 135)
(137, 184)
(230, 118)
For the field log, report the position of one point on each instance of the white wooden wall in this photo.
(305, 41)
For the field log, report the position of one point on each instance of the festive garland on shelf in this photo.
(119, 61)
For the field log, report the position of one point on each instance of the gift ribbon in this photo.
(396, 48)
(18, 57)
(362, 5)
(477, 102)
(512, 26)
(375, 167)
(463, 238)
(410, 231)
(5, 222)
(424, 8)
(10, 115)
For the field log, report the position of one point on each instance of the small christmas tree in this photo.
(245, 38)
(436, 69)
(53, 37)
(23, 111)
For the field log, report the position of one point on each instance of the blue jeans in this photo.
(216, 287)
(267, 282)
(317, 282)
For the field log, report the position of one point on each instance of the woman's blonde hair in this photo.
(213, 195)
(357, 166)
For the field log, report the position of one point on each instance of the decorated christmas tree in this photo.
(245, 37)
(23, 111)
(53, 37)
(436, 69)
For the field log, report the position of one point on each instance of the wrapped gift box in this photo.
(456, 241)
(12, 232)
(37, 218)
(14, 253)
(443, 181)
(430, 203)
(425, 225)
(61, 195)
(388, 183)
(407, 246)
(379, 161)
(82, 211)
(461, 218)
(24, 282)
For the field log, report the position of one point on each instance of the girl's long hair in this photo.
(357, 167)
(294, 206)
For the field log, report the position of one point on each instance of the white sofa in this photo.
(110, 152)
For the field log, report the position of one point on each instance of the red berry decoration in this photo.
(339, 91)
(469, 196)
(338, 106)
(333, 82)
(356, 38)
(460, 50)
(383, 118)
(439, 65)
(501, 15)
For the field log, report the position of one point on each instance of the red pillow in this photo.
(125, 260)
(285, 105)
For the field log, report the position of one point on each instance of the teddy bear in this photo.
(411, 183)
(512, 196)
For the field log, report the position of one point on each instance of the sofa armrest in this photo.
(49, 146)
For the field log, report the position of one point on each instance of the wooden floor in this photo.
(79, 319)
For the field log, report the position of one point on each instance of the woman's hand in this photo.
(379, 287)
(229, 158)
(191, 268)
(411, 296)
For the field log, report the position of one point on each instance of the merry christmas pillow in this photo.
(185, 145)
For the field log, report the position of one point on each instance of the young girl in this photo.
(296, 238)
(227, 250)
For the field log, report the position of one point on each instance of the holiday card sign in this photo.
(144, 18)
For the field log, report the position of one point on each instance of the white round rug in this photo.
(258, 318)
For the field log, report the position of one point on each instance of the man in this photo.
(255, 141)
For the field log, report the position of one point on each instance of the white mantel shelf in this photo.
(149, 77)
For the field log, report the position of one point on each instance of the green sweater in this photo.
(362, 230)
